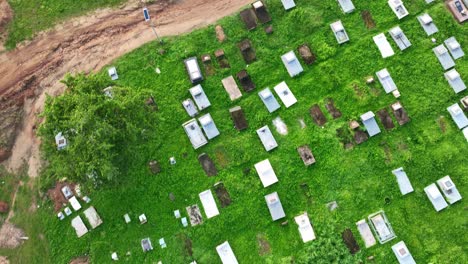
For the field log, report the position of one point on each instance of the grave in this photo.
(208, 64)
(264, 247)
(154, 167)
(334, 112)
(360, 136)
(317, 115)
(306, 155)
(231, 88)
(187, 244)
(222, 194)
(269, 29)
(245, 81)
(238, 117)
(207, 164)
(368, 20)
(220, 33)
(248, 53)
(350, 241)
(385, 119)
(280, 126)
(221, 58)
(400, 113)
(306, 54)
(249, 18)
(195, 215)
(261, 12)
(345, 137)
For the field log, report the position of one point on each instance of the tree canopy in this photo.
(100, 127)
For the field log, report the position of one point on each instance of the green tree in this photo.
(100, 129)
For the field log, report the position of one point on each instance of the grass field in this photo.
(359, 179)
(31, 17)
(26, 216)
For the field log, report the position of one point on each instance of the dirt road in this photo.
(83, 44)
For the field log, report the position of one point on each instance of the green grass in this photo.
(359, 179)
(26, 217)
(31, 17)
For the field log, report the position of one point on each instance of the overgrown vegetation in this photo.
(359, 179)
(100, 127)
(31, 17)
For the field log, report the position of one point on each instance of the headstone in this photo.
(114, 256)
(177, 214)
(154, 167)
(280, 126)
(285, 223)
(353, 125)
(184, 221)
(127, 218)
(370, 80)
(207, 165)
(172, 161)
(162, 243)
(67, 211)
(332, 205)
(302, 123)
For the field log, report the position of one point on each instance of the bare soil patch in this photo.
(10, 236)
(80, 260)
(4, 260)
(264, 247)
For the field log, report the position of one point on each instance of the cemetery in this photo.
(284, 141)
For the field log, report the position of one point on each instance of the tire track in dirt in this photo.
(83, 44)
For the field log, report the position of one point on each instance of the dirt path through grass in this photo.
(83, 44)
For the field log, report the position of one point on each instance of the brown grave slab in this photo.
(238, 117)
(350, 241)
(400, 113)
(334, 112)
(261, 12)
(249, 18)
(385, 119)
(207, 164)
(248, 53)
(222, 194)
(154, 167)
(306, 54)
(306, 155)
(317, 115)
(360, 136)
(245, 80)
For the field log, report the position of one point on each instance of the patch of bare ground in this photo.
(10, 236)
(80, 260)
(264, 247)
(84, 44)
(4, 260)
